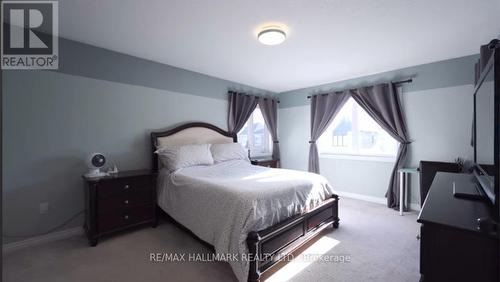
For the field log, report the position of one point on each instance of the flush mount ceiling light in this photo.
(271, 36)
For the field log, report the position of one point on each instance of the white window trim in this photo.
(358, 157)
(355, 154)
(253, 152)
(260, 155)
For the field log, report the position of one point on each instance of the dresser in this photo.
(118, 202)
(453, 245)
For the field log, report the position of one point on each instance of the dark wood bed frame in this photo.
(270, 246)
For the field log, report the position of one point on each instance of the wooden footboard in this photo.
(269, 246)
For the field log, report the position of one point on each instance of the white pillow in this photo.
(177, 157)
(228, 151)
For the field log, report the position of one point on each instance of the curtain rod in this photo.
(410, 80)
(258, 97)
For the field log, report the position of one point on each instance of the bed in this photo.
(253, 216)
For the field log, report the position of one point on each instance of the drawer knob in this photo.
(126, 201)
(126, 186)
(126, 217)
(418, 236)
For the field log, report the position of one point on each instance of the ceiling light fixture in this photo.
(271, 36)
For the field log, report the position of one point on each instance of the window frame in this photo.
(354, 152)
(250, 138)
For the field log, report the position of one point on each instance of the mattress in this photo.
(222, 203)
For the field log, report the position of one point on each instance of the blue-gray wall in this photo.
(105, 101)
(459, 71)
(99, 101)
(438, 110)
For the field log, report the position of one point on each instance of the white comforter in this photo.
(223, 202)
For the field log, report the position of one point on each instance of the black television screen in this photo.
(485, 134)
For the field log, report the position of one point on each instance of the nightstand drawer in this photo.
(125, 200)
(130, 186)
(123, 218)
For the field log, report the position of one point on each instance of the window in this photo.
(254, 136)
(354, 132)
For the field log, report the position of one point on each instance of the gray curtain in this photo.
(324, 107)
(241, 107)
(269, 109)
(382, 103)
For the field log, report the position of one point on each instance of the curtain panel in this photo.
(241, 107)
(382, 103)
(269, 109)
(324, 108)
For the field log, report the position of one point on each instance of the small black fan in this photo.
(95, 162)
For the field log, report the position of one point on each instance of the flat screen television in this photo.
(486, 130)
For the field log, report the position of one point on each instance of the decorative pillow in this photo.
(177, 157)
(228, 151)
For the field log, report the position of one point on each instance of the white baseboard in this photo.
(372, 199)
(362, 197)
(415, 207)
(37, 240)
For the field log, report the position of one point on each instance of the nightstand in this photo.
(118, 202)
(265, 162)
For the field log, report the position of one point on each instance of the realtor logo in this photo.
(30, 35)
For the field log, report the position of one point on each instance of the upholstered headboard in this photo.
(189, 133)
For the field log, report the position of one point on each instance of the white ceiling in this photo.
(328, 40)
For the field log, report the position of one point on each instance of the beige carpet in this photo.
(380, 244)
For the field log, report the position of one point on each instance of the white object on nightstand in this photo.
(113, 170)
(95, 162)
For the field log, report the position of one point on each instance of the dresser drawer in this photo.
(141, 197)
(122, 186)
(125, 217)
